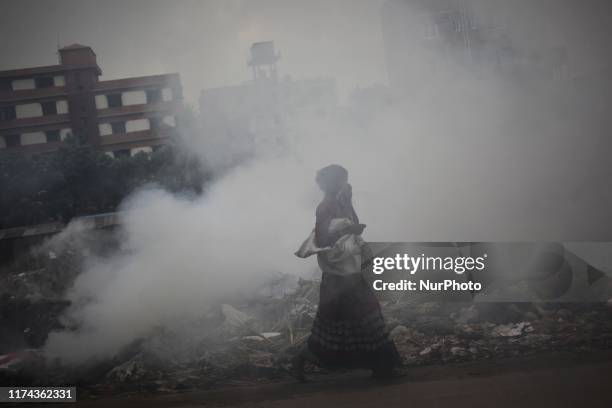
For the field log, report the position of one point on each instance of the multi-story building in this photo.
(557, 40)
(549, 54)
(43, 106)
(256, 116)
(426, 37)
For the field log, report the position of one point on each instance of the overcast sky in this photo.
(206, 41)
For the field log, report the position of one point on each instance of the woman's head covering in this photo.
(332, 178)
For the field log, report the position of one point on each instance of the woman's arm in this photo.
(323, 237)
(355, 217)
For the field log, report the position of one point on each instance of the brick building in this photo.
(40, 107)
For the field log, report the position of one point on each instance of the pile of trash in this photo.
(253, 341)
(434, 332)
(32, 297)
(244, 344)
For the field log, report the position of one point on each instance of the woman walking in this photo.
(349, 329)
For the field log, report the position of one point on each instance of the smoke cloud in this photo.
(463, 158)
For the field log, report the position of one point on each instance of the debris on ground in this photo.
(511, 329)
(253, 340)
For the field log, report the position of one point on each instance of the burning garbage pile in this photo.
(253, 340)
(248, 343)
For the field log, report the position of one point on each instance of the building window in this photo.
(105, 129)
(114, 100)
(134, 98)
(12, 140)
(59, 80)
(77, 79)
(137, 125)
(5, 85)
(49, 108)
(430, 30)
(53, 136)
(23, 84)
(62, 107)
(155, 122)
(118, 127)
(457, 23)
(65, 133)
(154, 95)
(101, 102)
(31, 138)
(472, 22)
(7, 113)
(171, 121)
(44, 82)
(121, 153)
(167, 94)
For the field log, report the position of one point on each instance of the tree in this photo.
(80, 180)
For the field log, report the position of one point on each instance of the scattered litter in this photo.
(510, 330)
(426, 351)
(254, 340)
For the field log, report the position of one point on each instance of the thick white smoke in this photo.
(458, 160)
(180, 255)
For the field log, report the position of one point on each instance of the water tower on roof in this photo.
(263, 60)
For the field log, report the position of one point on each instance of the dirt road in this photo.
(555, 380)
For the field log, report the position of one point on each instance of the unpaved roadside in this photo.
(554, 380)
